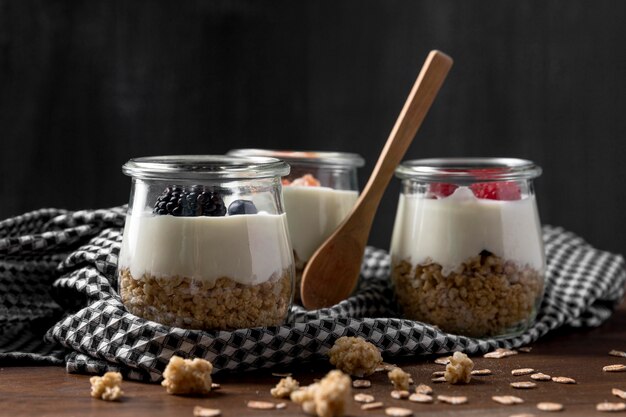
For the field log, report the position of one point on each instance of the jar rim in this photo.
(323, 158)
(204, 167)
(468, 169)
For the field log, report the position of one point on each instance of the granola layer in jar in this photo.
(467, 253)
(206, 244)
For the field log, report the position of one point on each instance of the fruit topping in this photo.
(306, 180)
(194, 201)
(441, 189)
(242, 207)
(504, 190)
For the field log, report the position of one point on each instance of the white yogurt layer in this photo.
(249, 249)
(313, 213)
(450, 230)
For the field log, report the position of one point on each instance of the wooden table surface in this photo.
(580, 354)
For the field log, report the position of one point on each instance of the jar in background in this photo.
(319, 192)
(206, 244)
(467, 253)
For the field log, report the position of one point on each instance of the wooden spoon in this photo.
(333, 271)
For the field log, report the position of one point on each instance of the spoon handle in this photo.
(421, 97)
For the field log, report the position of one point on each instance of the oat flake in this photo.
(437, 374)
(398, 412)
(440, 379)
(420, 398)
(500, 353)
(619, 393)
(522, 371)
(399, 394)
(507, 399)
(481, 372)
(206, 412)
(423, 389)
(443, 361)
(607, 406)
(372, 406)
(563, 380)
(548, 406)
(618, 353)
(261, 405)
(452, 400)
(614, 368)
(361, 383)
(541, 377)
(364, 398)
(523, 385)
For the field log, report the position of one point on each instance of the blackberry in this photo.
(242, 207)
(195, 201)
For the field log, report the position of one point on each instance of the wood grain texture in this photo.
(49, 391)
(86, 86)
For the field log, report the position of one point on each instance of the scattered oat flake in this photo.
(372, 406)
(541, 377)
(522, 371)
(618, 353)
(364, 398)
(547, 406)
(481, 372)
(361, 383)
(206, 412)
(522, 415)
(411, 382)
(500, 353)
(507, 399)
(282, 375)
(399, 394)
(215, 386)
(607, 406)
(563, 380)
(440, 379)
(437, 374)
(614, 368)
(525, 349)
(523, 385)
(398, 412)
(619, 393)
(420, 398)
(443, 361)
(280, 406)
(452, 400)
(423, 389)
(261, 405)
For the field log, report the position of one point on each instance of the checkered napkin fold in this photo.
(58, 278)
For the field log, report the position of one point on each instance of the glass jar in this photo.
(206, 243)
(467, 253)
(319, 192)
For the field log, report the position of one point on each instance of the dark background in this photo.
(86, 85)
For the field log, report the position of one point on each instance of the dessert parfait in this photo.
(319, 192)
(206, 244)
(467, 253)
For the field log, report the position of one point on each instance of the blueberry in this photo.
(242, 207)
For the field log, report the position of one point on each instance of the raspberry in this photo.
(306, 180)
(441, 189)
(506, 190)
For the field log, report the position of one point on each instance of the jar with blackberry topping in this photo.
(206, 243)
(467, 253)
(319, 192)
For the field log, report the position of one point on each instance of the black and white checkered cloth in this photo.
(58, 277)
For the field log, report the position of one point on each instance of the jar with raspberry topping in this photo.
(206, 242)
(467, 252)
(319, 192)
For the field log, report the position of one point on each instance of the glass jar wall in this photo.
(467, 253)
(206, 243)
